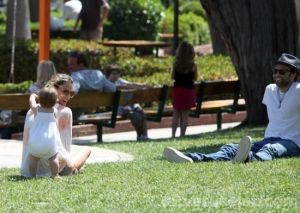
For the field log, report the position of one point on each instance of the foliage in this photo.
(192, 7)
(25, 60)
(13, 88)
(134, 19)
(193, 28)
(149, 70)
(151, 184)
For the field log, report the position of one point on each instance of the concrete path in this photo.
(11, 150)
(162, 133)
(11, 154)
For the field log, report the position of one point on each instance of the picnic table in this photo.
(135, 44)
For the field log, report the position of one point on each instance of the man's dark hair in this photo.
(111, 68)
(80, 57)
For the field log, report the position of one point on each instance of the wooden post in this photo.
(44, 30)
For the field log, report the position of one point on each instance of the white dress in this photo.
(64, 121)
(44, 139)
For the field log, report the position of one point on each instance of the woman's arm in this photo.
(64, 123)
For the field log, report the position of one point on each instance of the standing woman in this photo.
(63, 84)
(184, 73)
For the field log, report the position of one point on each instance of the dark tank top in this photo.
(185, 80)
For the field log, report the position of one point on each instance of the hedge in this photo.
(148, 69)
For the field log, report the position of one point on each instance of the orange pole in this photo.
(44, 30)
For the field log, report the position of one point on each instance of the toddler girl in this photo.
(44, 138)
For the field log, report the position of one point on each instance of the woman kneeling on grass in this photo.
(63, 84)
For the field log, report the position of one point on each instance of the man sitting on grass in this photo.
(282, 136)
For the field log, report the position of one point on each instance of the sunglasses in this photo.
(280, 71)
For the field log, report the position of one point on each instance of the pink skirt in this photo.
(183, 98)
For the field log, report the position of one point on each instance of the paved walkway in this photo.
(11, 150)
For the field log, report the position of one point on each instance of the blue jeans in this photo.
(267, 149)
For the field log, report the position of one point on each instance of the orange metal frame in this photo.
(44, 30)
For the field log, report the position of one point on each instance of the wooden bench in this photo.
(214, 97)
(112, 101)
(218, 97)
(16, 102)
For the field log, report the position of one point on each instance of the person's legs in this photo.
(81, 157)
(258, 145)
(184, 121)
(277, 149)
(33, 162)
(175, 119)
(78, 162)
(54, 165)
(138, 121)
(225, 153)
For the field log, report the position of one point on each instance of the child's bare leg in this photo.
(174, 122)
(184, 122)
(33, 165)
(54, 165)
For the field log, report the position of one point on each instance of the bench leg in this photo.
(99, 133)
(219, 120)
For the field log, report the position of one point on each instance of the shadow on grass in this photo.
(16, 178)
(255, 132)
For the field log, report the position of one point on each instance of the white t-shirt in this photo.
(283, 112)
(72, 9)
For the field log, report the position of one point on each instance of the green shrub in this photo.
(149, 70)
(193, 28)
(25, 60)
(193, 7)
(133, 19)
(14, 88)
(26, 57)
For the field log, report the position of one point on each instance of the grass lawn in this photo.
(151, 184)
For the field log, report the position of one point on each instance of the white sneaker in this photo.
(176, 156)
(243, 150)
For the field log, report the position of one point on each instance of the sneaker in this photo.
(176, 156)
(243, 150)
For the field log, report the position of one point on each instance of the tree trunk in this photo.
(23, 30)
(255, 33)
(218, 44)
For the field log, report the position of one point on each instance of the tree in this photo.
(255, 33)
(23, 30)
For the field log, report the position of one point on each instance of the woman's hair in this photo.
(47, 97)
(184, 58)
(59, 79)
(45, 70)
(111, 68)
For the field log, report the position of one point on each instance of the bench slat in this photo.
(15, 101)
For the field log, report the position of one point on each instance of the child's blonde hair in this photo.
(47, 97)
(45, 70)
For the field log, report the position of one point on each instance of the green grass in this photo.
(151, 184)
